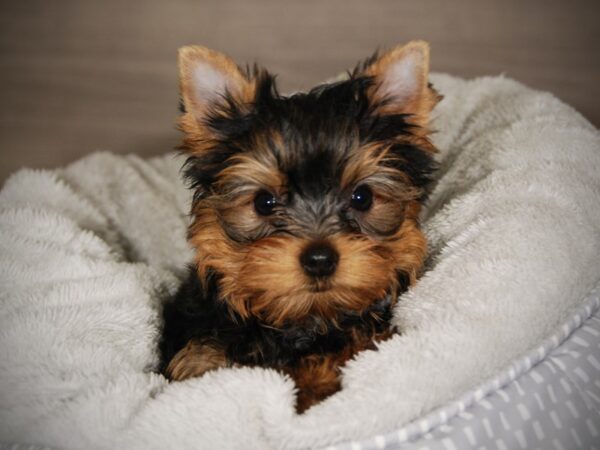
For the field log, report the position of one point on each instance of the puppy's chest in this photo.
(292, 345)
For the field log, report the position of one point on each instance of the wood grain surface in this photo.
(80, 76)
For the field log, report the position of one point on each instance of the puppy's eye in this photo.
(362, 198)
(264, 202)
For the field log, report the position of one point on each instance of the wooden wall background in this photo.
(79, 76)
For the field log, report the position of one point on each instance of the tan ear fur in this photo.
(401, 77)
(205, 78)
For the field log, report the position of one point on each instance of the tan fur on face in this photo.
(391, 188)
(365, 165)
(273, 279)
(213, 249)
(256, 168)
(265, 278)
(409, 246)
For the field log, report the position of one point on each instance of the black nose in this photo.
(319, 260)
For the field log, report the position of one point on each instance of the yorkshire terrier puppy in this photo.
(305, 215)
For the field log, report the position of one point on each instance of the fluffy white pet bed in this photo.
(88, 253)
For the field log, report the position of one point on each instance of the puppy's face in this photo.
(307, 205)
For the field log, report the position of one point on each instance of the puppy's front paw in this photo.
(195, 359)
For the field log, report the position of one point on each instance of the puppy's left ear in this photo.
(401, 82)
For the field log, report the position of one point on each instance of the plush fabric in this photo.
(89, 252)
(547, 398)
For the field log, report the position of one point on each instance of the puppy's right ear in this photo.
(208, 81)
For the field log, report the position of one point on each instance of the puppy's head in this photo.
(307, 205)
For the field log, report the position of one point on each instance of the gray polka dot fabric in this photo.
(548, 399)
